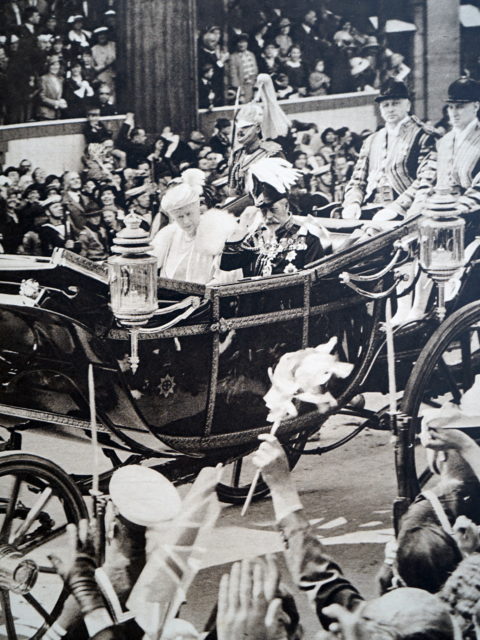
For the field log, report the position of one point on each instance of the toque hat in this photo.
(464, 90)
(179, 196)
(393, 90)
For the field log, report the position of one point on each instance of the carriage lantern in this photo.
(133, 281)
(441, 235)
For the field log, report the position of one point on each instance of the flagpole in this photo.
(392, 383)
(93, 430)
(256, 477)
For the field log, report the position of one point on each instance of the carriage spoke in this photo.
(10, 511)
(466, 350)
(7, 615)
(236, 472)
(36, 542)
(17, 537)
(33, 602)
(444, 368)
(44, 569)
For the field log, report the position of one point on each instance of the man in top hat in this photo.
(272, 243)
(457, 166)
(252, 147)
(391, 159)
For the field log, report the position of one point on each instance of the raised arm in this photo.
(317, 575)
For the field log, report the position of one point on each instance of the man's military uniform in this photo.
(290, 249)
(390, 161)
(242, 161)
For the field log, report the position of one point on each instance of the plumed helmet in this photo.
(464, 90)
(250, 114)
(269, 180)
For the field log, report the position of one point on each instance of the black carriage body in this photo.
(200, 384)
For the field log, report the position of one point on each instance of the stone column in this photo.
(436, 53)
(157, 62)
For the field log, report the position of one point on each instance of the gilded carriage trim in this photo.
(175, 332)
(192, 288)
(259, 283)
(212, 388)
(306, 310)
(190, 443)
(96, 270)
(48, 417)
(226, 324)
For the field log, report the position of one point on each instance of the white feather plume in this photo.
(216, 225)
(277, 172)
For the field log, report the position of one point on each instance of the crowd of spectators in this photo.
(429, 584)
(130, 173)
(311, 54)
(56, 58)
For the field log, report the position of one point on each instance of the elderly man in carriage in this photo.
(273, 242)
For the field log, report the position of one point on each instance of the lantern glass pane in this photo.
(441, 244)
(133, 288)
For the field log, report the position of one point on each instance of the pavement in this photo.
(347, 495)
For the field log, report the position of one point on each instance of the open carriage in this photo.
(193, 393)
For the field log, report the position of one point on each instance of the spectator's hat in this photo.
(371, 44)
(13, 38)
(49, 201)
(249, 115)
(197, 137)
(44, 37)
(30, 188)
(222, 123)
(100, 30)
(393, 90)
(110, 12)
(159, 499)
(76, 18)
(342, 37)
(179, 196)
(464, 90)
(358, 65)
(242, 37)
(269, 180)
(408, 612)
(135, 192)
(3, 40)
(284, 22)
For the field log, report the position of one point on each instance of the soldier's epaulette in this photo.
(271, 146)
(427, 128)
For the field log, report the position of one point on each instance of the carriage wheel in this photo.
(242, 471)
(37, 501)
(444, 371)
